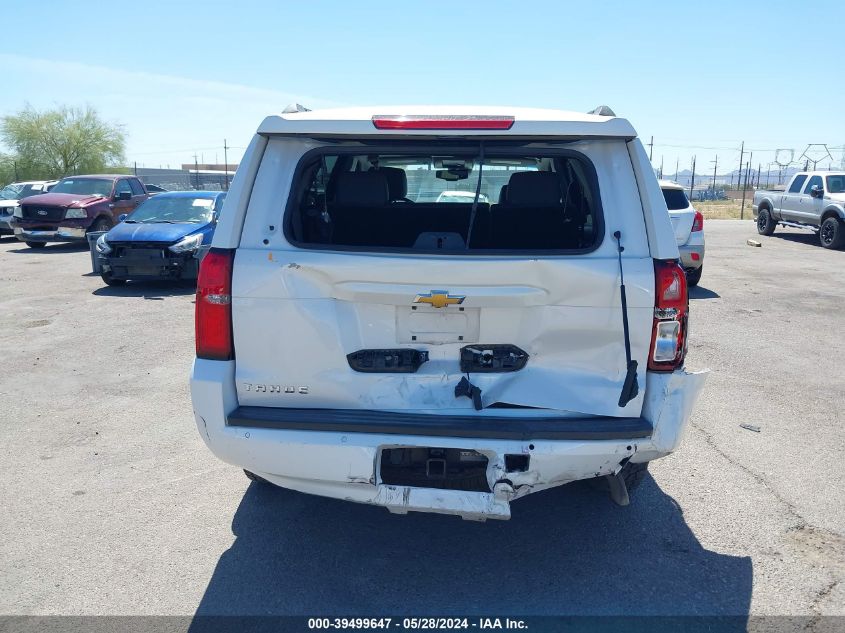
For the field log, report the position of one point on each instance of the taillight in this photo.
(698, 222)
(671, 306)
(214, 306)
(442, 122)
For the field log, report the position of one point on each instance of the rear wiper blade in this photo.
(130, 221)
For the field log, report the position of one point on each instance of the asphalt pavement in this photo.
(111, 503)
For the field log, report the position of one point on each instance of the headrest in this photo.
(361, 189)
(397, 182)
(503, 194)
(534, 189)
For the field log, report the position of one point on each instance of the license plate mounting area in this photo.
(426, 324)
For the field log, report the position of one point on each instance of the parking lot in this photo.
(113, 505)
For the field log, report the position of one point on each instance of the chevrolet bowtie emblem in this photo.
(439, 299)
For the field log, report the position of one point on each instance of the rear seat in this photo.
(363, 215)
(503, 194)
(531, 216)
(360, 210)
(440, 217)
(397, 183)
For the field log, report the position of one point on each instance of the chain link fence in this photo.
(184, 180)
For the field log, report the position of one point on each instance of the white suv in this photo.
(442, 356)
(12, 194)
(688, 225)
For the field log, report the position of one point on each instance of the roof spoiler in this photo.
(295, 107)
(602, 110)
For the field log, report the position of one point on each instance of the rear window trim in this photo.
(490, 149)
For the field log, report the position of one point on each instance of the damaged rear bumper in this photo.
(465, 426)
(692, 253)
(338, 453)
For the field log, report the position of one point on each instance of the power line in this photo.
(189, 149)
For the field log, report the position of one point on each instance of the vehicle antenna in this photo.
(630, 388)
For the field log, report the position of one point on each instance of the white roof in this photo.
(820, 172)
(527, 122)
(669, 184)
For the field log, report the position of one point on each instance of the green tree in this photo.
(61, 142)
(7, 169)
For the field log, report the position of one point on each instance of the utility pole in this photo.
(677, 160)
(226, 162)
(650, 148)
(759, 169)
(744, 187)
(16, 170)
(715, 165)
(136, 167)
(196, 174)
(750, 157)
(692, 179)
(739, 176)
(661, 168)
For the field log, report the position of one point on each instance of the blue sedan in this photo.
(160, 239)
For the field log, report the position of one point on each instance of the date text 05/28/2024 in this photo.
(414, 624)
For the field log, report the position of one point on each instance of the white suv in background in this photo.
(688, 225)
(12, 194)
(443, 356)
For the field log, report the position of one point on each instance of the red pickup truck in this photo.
(76, 206)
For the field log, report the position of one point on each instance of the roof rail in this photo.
(295, 107)
(602, 110)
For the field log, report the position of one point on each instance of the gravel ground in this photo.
(112, 504)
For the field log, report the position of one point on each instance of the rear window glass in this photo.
(676, 199)
(426, 201)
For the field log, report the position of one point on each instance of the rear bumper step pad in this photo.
(471, 426)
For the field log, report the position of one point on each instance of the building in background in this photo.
(191, 176)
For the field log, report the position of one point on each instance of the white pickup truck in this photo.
(814, 200)
(359, 341)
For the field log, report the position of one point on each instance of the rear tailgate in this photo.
(298, 313)
(680, 211)
(682, 224)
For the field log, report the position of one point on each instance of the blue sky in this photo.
(182, 76)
